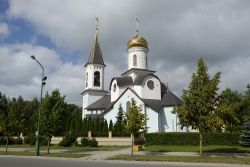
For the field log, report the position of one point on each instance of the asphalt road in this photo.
(38, 162)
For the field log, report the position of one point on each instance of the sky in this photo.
(60, 34)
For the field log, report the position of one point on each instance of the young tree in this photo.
(136, 121)
(200, 101)
(7, 118)
(119, 124)
(111, 125)
(51, 114)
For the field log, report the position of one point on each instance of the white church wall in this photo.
(141, 57)
(87, 100)
(152, 122)
(169, 122)
(127, 96)
(147, 93)
(91, 69)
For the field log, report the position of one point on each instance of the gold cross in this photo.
(137, 25)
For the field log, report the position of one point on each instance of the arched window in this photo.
(134, 60)
(128, 106)
(97, 78)
(86, 80)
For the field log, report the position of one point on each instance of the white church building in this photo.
(137, 82)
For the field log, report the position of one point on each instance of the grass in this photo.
(65, 155)
(208, 149)
(72, 148)
(228, 160)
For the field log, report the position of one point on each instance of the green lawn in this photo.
(72, 148)
(65, 155)
(228, 160)
(212, 149)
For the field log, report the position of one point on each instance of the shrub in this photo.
(68, 140)
(84, 141)
(31, 139)
(18, 140)
(2, 140)
(191, 138)
(93, 143)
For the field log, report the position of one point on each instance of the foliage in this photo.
(68, 140)
(176, 138)
(51, 114)
(228, 108)
(245, 135)
(84, 141)
(119, 126)
(136, 120)
(18, 140)
(111, 127)
(200, 101)
(93, 143)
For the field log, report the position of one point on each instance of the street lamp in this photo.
(40, 107)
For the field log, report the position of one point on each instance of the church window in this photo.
(150, 84)
(114, 88)
(128, 106)
(86, 80)
(97, 78)
(134, 60)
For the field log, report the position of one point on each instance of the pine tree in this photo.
(111, 125)
(200, 101)
(245, 135)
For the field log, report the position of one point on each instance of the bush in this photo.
(93, 142)
(18, 140)
(2, 140)
(191, 138)
(89, 142)
(68, 140)
(84, 141)
(31, 139)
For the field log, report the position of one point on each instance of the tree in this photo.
(51, 114)
(7, 118)
(111, 125)
(119, 124)
(229, 108)
(136, 121)
(245, 135)
(200, 101)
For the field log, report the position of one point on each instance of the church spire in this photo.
(95, 56)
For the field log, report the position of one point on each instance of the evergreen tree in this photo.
(105, 128)
(229, 108)
(111, 125)
(119, 126)
(245, 135)
(136, 121)
(200, 101)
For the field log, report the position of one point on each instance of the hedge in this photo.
(191, 138)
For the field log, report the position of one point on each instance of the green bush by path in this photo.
(191, 138)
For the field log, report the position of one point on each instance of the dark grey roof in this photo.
(170, 99)
(102, 103)
(95, 56)
(139, 79)
(154, 104)
(122, 81)
(94, 116)
(136, 70)
(94, 91)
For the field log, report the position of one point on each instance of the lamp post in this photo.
(40, 107)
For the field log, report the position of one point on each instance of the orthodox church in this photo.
(137, 82)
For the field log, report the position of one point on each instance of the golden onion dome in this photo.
(137, 41)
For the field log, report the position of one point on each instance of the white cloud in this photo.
(4, 29)
(20, 75)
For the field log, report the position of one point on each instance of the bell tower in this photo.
(94, 75)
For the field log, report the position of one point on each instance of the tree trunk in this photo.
(200, 143)
(49, 139)
(7, 143)
(132, 148)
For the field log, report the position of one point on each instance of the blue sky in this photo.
(60, 34)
